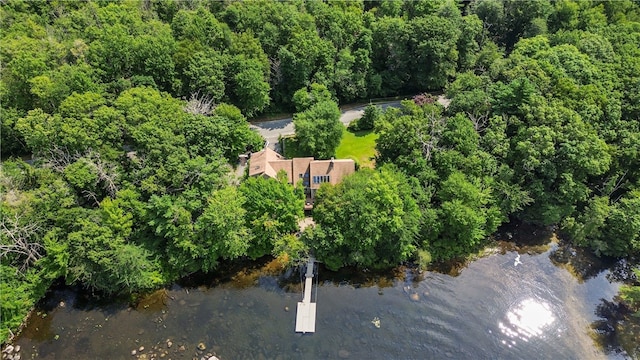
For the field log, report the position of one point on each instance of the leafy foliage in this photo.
(631, 293)
(273, 208)
(318, 127)
(100, 258)
(367, 121)
(369, 220)
(131, 185)
(462, 191)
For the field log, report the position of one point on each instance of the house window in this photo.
(319, 179)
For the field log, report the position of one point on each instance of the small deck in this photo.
(306, 313)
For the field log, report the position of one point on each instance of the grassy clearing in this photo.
(359, 146)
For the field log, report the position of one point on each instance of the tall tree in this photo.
(100, 258)
(434, 54)
(221, 228)
(273, 209)
(317, 124)
(468, 215)
(250, 88)
(369, 220)
(83, 122)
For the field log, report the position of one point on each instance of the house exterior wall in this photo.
(331, 171)
(301, 167)
(285, 165)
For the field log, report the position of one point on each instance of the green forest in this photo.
(135, 113)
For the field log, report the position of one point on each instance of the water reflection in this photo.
(493, 309)
(617, 331)
(579, 262)
(530, 318)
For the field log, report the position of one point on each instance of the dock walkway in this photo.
(306, 315)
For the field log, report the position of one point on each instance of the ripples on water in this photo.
(494, 309)
(530, 318)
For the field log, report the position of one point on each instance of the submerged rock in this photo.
(343, 354)
(202, 346)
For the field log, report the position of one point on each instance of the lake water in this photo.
(507, 305)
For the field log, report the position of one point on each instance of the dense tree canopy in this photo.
(253, 54)
(317, 122)
(274, 208)
(368, 220)
(135, 113)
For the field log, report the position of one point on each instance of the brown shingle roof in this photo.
(260, 163)
(268, 163)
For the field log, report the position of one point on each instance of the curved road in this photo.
(271, 130)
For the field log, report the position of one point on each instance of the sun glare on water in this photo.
(528, 319)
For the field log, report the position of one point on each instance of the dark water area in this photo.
(521, 300)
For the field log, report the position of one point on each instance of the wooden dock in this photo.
(306, 315)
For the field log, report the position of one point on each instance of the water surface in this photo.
(502, 306)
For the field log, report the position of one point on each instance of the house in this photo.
(310, 171)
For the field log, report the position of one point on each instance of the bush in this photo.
(371, 114)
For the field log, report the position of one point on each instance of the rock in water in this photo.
(343, 354)
(213, 358)
(202, 347)
(414, 297)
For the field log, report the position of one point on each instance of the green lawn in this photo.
(359, 146)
